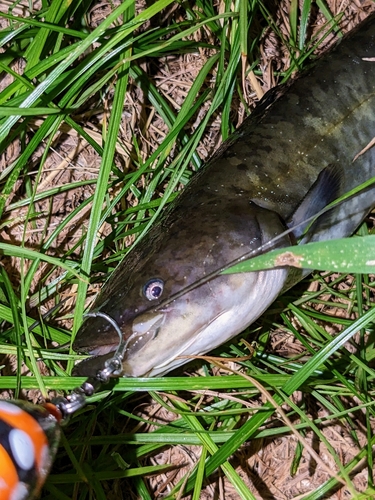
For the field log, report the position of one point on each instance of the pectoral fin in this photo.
(323, 192)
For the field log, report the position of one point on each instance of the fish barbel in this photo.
(303, 147)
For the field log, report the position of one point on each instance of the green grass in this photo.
(70, 69)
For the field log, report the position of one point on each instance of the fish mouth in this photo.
(147, 324)
(145, 328)
(161, 358)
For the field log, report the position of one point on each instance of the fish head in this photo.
(159, 298)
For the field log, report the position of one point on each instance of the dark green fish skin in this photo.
(294, 155)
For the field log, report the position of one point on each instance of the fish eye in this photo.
(153, 289)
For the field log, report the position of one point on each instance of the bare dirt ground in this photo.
(266, 469)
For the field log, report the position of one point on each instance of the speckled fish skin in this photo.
(292, 156)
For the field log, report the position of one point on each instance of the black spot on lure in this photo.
(297, 152)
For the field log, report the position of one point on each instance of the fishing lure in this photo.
(30, 434)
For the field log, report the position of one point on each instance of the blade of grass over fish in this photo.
(323, 255)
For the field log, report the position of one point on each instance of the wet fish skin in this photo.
(291, 157)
